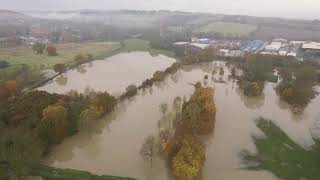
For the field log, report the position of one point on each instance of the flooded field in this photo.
(113, 74)
(112, 145)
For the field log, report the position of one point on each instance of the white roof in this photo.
(311, 45)
(292, 54)
(181, 43)
(283, 53)
(199, 45)
(274, 46)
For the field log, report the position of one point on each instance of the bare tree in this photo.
(163, 108)
(148, 148)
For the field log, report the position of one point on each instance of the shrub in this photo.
(52, 51)
(3, 64)
(39, 48)
(59, 68)
(158, 76)
(131, 90)
(253, 88)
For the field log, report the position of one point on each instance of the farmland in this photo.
(66, 53)
(228, 29)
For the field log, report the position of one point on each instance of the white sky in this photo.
(309, 9)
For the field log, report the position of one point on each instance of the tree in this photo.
(54, 124)
(59, 68)
(131, 90)
(87, 117)
(102, 103)
(163, 108)
(158, 76)
(177, 102)
(148, 149)
(19, 150)
(79, 58)
(3, 64)
(188, 162)
(39, 48)
(52, 51)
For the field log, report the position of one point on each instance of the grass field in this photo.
(50, 173)
(66, 53)
(277, 153)
(142, 45)
(228, 29)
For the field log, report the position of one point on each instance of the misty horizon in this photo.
(292, 9)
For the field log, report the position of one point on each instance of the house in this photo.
(39, 32)
(311, 47)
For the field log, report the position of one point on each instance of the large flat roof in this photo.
(311, 45)
(199, 45)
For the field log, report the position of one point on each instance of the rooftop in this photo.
(201, 46)
(311, 45)
(181, 43)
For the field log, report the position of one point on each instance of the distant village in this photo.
(238, 48)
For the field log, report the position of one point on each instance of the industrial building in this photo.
(311, 47)
(273, 47)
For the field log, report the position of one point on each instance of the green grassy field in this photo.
(66, 53)
(142, 45)
(228, 29)
(282, 156)
(50, 173)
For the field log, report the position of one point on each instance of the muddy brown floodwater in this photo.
(112, 74)
(111, 145)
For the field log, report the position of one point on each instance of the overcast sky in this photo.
(309, 9)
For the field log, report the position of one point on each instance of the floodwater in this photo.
(111, 146)
(112, 74)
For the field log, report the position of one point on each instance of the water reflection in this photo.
(62, 80)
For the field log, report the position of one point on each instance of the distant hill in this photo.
(13, 18)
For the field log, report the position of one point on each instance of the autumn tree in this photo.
(52, 50)
(158, 76)
(148, 149)
(54, 124)
(59, 68)
(188, 162)
(39, 48)
(198, 114)
(102, 102)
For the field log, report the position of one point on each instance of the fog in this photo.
(307, 9)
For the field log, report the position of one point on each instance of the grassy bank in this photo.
(50, 173)
(277, 153)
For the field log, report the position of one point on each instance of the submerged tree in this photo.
(163, 108)
(148, 149)
(59, 68)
